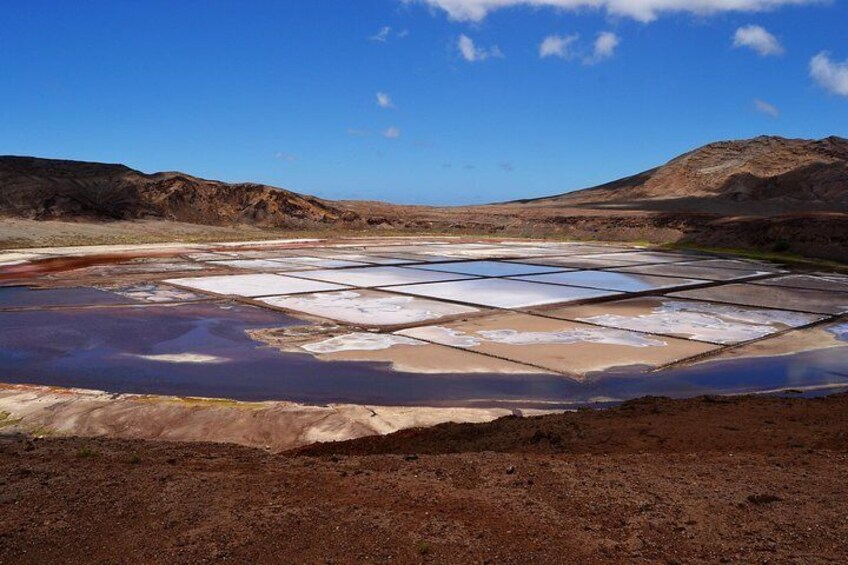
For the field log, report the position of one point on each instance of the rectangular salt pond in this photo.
(491, 252)
(259, 264)
(369, 307)
(324, 262)
(566, 347)
(804, 300)
(609, 280)
(502, 293)
(580, 262)
(409, 258)
(647, 257)
(691, 319)
(561, 249)
(739, 264)
(406, 354)
(837, 283)
(361, 259)
(490, 268)
(155, 293)
(695, 271)
(379, 276)
(254, 285)
(394, 249)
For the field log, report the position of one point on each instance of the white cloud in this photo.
(565, 47)
(381, 36)
(384, 100)
(287, 157)
(470, 52)
(758, 39)
(605, 46)
(557, 46)
(831, 75)
(391, 132)
(385, 34)
(764, 107)
(642, 10)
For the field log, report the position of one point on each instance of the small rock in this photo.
(760, 499)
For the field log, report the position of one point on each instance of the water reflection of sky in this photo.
(159, 349)
(26, 297)
(840, 331)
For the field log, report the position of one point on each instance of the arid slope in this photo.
(760, 174)
(49, 189)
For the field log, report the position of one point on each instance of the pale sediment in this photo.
(276, 426)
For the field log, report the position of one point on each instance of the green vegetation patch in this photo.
(6, 419)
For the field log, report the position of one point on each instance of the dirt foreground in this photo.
(752, 479)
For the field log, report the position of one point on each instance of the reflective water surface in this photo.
(202, 349)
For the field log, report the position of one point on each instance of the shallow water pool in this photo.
(202, 349)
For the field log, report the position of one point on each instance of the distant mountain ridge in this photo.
(764, 176)
(767, 170)
(47, 189)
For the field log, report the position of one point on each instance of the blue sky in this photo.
(286, 93)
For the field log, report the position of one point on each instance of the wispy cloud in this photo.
(471, 52)
(385, 34)
(391, 132)
(384, 100)
(829, 74)
(287, 157)
(381, 36)
(764, 107)
(604, 48)
(557, 46)
(757, 38)
(641, 10)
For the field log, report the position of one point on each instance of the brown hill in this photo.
(47, 189)
(764, 174)
(768, 193)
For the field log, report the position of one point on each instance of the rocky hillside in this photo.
(47, 189)
(764, 173)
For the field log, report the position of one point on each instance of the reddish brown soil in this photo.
(702, 480)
